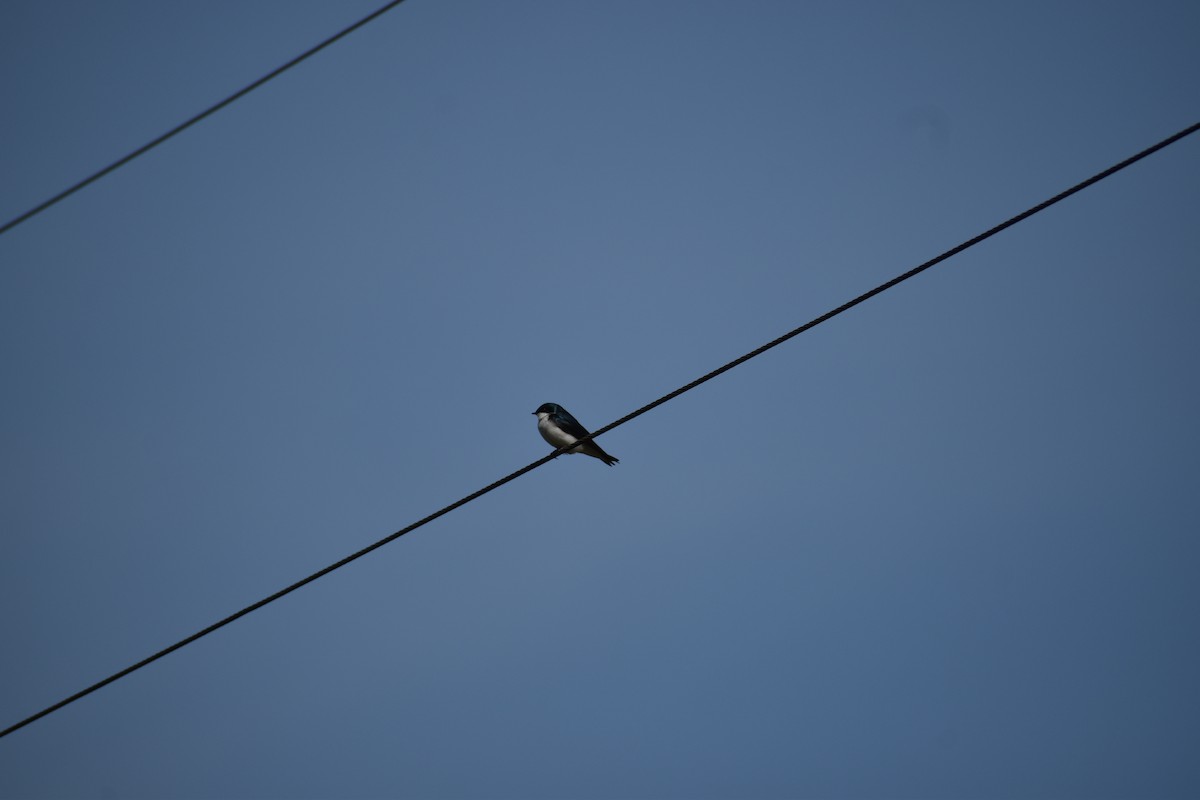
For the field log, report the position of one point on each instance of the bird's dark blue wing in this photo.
(568, 423)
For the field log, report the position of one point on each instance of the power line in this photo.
(180, 128)
(686, 388)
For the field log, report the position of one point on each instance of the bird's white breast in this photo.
(552, 433)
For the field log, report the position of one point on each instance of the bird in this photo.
(559, 428)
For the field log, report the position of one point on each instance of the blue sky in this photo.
(943, 546)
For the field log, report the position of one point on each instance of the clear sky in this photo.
(944, 546)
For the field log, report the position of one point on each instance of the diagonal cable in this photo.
(181, 127)
(554, 454)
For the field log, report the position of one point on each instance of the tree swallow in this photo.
(559, 428)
